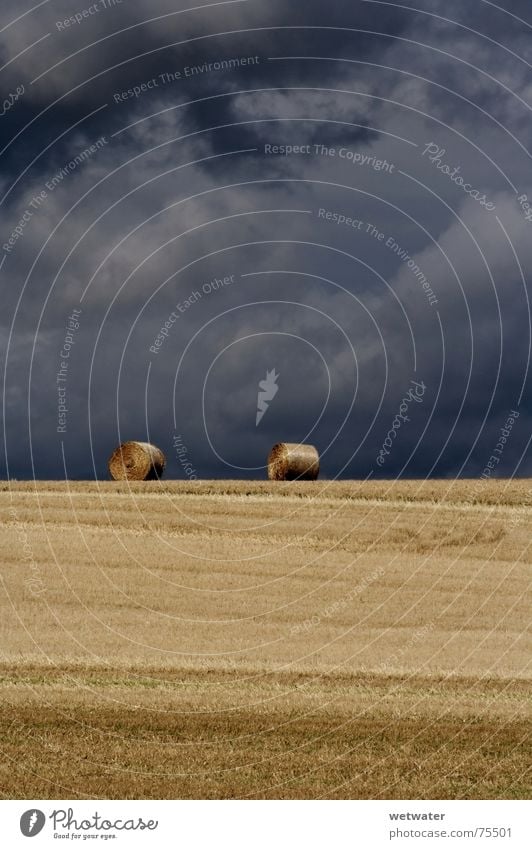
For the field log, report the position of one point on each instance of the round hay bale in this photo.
(290, 461)
(136, 461)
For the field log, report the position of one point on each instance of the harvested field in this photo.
(265, 640)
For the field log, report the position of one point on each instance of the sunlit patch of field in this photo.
(243, 639)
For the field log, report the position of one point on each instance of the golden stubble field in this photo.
(265, 640)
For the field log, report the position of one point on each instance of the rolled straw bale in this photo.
(136, 461)
(289, 461)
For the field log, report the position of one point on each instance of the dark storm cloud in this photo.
(149, 223)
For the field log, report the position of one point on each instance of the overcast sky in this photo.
(196, 194)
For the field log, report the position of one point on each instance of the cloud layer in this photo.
(337, 192)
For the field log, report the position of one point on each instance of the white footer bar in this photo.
(267, 824)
